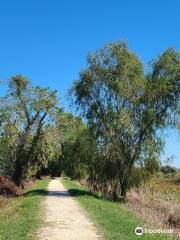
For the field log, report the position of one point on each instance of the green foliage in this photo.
(126, 108)
(168, 169)
(124, 111)
(25, 112)
(77, 147)
(152, 166)
(36, 137)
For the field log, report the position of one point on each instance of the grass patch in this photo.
(20, 216)
(114, 220)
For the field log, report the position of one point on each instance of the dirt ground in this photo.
(63, 217)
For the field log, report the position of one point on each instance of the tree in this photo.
(76, 146)
(29, 109)
(168, 169)
(126, 108)
(8, 135)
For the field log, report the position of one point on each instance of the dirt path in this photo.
(64, 219)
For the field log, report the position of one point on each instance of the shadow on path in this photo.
(43, 192)
(77, 192)
(71, 192)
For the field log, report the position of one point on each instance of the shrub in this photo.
(168, 169)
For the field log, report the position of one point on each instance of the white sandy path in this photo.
(64, 219)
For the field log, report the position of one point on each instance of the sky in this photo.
(48, 40)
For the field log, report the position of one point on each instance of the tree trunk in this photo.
(114, 195)
(123, 188)
(18, 175)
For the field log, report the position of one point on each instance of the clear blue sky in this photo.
(48, 40)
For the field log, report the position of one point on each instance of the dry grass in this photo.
(157, 203)
(7, 187)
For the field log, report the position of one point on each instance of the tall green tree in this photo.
(126, 108)
(29, 109)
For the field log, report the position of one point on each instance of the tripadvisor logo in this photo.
(139, 231)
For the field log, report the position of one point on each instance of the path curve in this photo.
(64, 219)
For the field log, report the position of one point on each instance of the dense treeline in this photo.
(117, 145)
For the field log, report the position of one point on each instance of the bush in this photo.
(168, 170)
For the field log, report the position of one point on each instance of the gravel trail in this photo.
(64, 219)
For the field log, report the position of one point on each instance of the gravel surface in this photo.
(64, 219)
